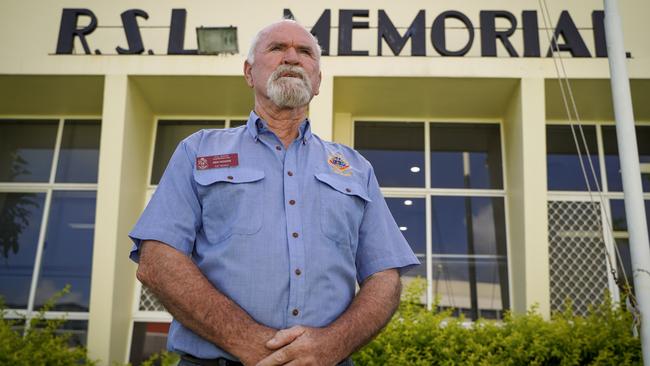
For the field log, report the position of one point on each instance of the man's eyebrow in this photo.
(276, 43)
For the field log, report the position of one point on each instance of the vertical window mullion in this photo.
(427, 185)
(43, 230)
(39, 255)
(57, 150)
(606, 216)
(429, 252)
(601, 159)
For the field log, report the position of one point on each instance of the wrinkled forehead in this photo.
(286, 33)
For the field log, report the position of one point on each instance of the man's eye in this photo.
(275, 48)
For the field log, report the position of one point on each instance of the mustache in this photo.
(290, 71)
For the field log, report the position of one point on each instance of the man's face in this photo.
(285, 68)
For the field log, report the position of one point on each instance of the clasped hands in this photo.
(301, 345)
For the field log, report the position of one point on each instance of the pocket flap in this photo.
(344, 185)
(230, 175)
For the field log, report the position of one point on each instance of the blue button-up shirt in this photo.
(285, 233)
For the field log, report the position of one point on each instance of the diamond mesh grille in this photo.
(578, 269)
(149, 302)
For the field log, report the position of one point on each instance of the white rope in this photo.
(564, 83)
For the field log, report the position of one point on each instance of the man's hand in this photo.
(368, 313)
(302, 345)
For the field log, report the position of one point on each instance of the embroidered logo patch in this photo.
(217, 161)
(339, 164)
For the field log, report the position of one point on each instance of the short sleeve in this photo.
(381, 244)
(173, 215)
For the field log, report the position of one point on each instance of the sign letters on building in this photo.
(490, 36)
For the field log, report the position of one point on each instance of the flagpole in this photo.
(630, 170)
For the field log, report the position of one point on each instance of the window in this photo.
(147, 338)
(565, 174)
(457, 195)
(48, 184)
(622, 238)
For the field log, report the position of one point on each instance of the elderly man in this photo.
(256, 236)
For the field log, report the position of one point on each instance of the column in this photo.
(525, 147)
(127, 123)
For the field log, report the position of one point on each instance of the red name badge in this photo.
(217, 161)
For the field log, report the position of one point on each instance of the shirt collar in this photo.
(256, 125)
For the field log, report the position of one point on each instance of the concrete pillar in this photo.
(126, 135)
(321, 108)
(525, 153)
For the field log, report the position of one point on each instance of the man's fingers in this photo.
(278, 357)
(284, 337)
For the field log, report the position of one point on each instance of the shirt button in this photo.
(292, 202)
(290, 173)
(295, 235)
(348, 190)
(230, 177)
(277, 147)
(295, 312)
(298, 272)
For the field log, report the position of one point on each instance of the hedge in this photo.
(416, 336)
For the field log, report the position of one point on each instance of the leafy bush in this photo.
(40, 344)
(43, 344)
(416, 336)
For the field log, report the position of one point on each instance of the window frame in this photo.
(427, 192)
(48, 188)
(609, 235)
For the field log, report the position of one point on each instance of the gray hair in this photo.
(256, 39)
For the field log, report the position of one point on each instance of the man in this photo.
(257, 235)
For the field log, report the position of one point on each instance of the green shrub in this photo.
(40, 344)
(416, 336)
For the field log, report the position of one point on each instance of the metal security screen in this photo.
(578, 269)
(149, 302)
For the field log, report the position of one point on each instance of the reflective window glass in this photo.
(395, 150)
(474, 286)
(563, 164)
(469, 254)
(20, 222)
(410, 216)
(623, 246)
(168, 136)
(468, 225)
(466, 156)
(147, 339)
(619, 221)
(612, 163)
(26, 150)
(67, 254)
(79, 155)
(237, 123)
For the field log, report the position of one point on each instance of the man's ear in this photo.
(248, 73)
(320, 78)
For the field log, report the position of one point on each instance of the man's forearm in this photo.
(198, 305)
(370, 310)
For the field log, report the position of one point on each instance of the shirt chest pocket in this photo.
(342, 204)
(231, 201)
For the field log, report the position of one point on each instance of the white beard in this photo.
(289, 92)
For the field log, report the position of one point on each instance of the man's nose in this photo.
(291, 56)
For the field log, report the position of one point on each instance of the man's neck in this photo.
(284, 122)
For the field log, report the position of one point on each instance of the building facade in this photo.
(457, 105)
